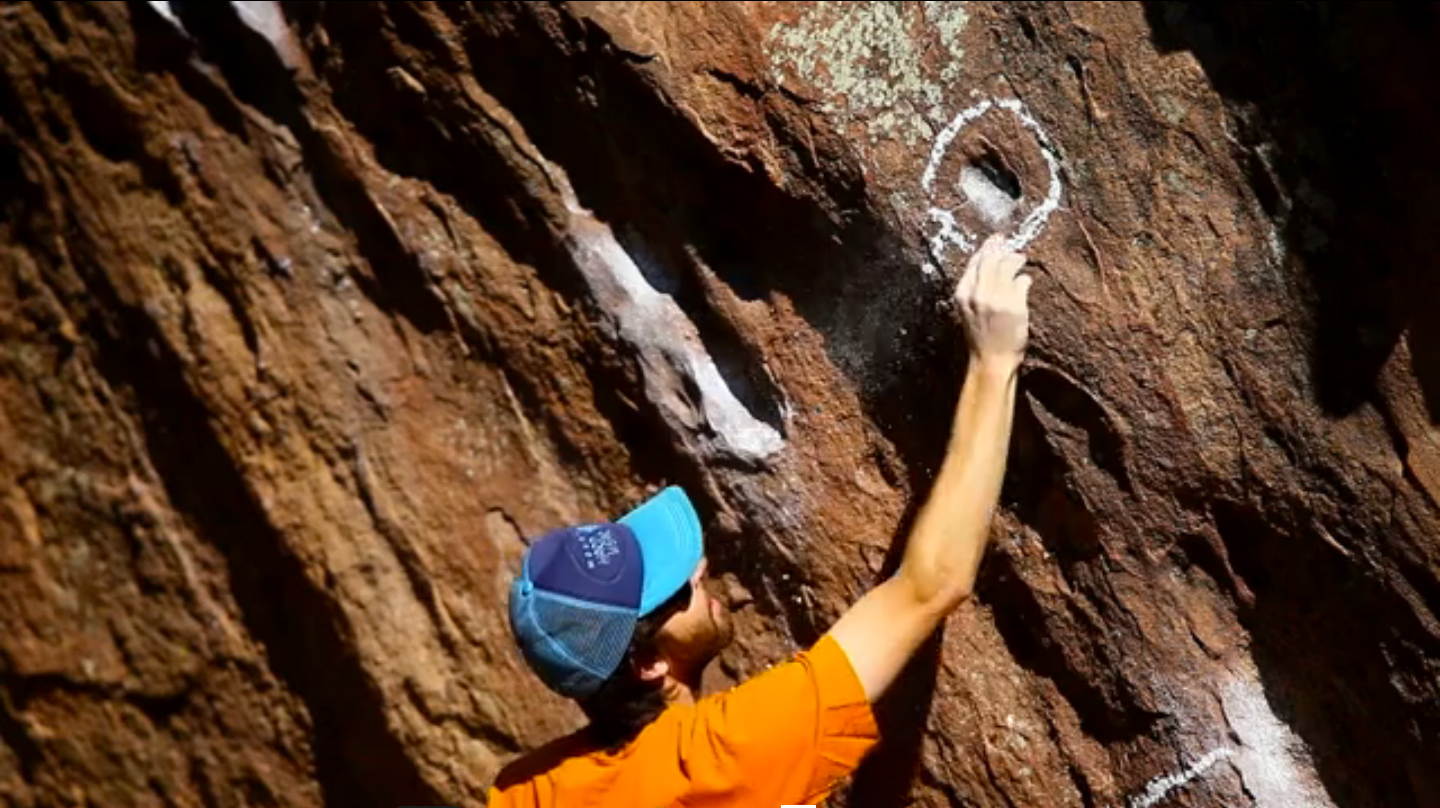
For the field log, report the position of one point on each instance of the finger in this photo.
(973, 264)
(1022, 285)
(966, 287)
(984, 269)
(992, 266)
(965, 290)
(1011, 265)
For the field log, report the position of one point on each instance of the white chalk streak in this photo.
(949, 233)
(601, 241)
(162, 7)
(747, 435)
(1274, 763)
(1035, 222)
(942, 140)
(665, 339)
(265, 18)
(1162, 787)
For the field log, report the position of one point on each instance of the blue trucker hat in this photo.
(581, 589)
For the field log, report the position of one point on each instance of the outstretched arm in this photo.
(942, 556)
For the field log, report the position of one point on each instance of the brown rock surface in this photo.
(309, 314)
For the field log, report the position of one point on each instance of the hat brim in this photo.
(668, 531)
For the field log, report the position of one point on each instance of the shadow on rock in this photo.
(1335, 115)
(1334, 110)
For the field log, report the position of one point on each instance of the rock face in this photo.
(310, 313)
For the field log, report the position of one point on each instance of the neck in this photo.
(678, 691)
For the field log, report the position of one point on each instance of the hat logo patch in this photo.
(596, 549)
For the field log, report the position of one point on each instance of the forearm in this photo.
(942, 555)
(947, 542)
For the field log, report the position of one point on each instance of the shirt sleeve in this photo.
(786, 736)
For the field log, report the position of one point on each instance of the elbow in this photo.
(940, 598)
(952, 599)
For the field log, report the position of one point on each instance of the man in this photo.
(617, 617)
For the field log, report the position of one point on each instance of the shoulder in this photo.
(818, 678)
(797, 702)
(784, 735)
(543, 761)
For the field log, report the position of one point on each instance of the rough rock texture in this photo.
(309, 314)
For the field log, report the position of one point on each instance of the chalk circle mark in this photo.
(951, 232)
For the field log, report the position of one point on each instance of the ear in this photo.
(653, 669)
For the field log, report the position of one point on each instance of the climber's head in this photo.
(618, 616)
(688, 631)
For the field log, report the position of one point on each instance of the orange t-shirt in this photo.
(785, 737)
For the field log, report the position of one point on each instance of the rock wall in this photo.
(311, 312)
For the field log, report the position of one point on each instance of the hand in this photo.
(994, 301)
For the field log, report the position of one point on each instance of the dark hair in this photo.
(626, 703)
